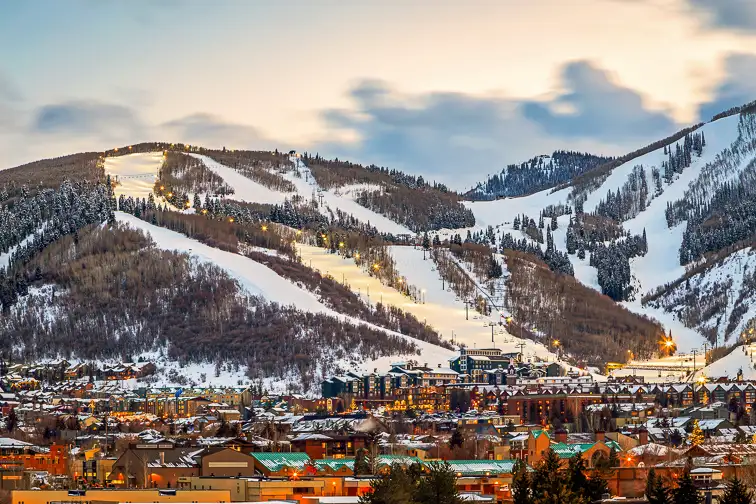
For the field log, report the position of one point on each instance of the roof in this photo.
(275, 462)
(565, 451)
(481, 467)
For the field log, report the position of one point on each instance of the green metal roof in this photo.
(398, 459)
(565, 451)
(481, 467)
(538, 432)
(275, 462)
(333, 464)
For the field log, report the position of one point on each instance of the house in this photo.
(158, 464)
(227, 462)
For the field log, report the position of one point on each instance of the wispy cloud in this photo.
(458, 138)
(100, 120)
(737, 88)
(733, 14)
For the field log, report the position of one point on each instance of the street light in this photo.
(264, 227)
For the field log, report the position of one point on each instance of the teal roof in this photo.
(481, 467)
(275, 462)
(565, 451)
(333, 464)
(398, 459)
(538, 432)
(614, 444)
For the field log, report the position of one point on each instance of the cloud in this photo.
(459, 139)
(598, 108)
(213, 131)
(733, 14)
(100, 120)
(737, 88)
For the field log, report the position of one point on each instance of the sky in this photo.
(453, 90)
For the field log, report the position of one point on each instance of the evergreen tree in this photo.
(581, 251)
(656, 491)
(696, 436)
(197, 203)
(360, 463)
(426, 241)
(554, 224)
(521, 484)
(686, 492)
(437, 486)
(394, 487)
(736, 493)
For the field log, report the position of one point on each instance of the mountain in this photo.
(666, 231)
(228, 267)
(535, 174)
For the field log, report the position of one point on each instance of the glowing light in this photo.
(162, 188)
(556, 342)
(129, 147)
(668, 343)
(264, 227)
(230, 219)
(341, 244)
(204, 211)
(188, 205)
(357, 256)
(376, 267)
(170, 195)
(115, 150)
(701, 379)
(299, 232)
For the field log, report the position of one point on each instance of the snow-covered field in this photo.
(257, 279)
(136, 173)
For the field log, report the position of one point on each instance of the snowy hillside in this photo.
(741, 359)
(718, 301)
(257, 279)
(307, 188)
(727, 153)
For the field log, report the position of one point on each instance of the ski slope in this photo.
(135, 173)
(257, 279)
(661, 263)
(731, 279)
(245, 189)
(441, 309)
(340, 198)
(740, 359)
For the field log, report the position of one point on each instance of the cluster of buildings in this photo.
(481, 414)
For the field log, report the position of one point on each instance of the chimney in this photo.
(425, 365)
(439, 365)
(375, 370)
(162, 458)
(643, 436)
(560, 435)
(599, 436)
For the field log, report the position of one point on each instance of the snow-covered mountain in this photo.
(690, 193)
(353, 268)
